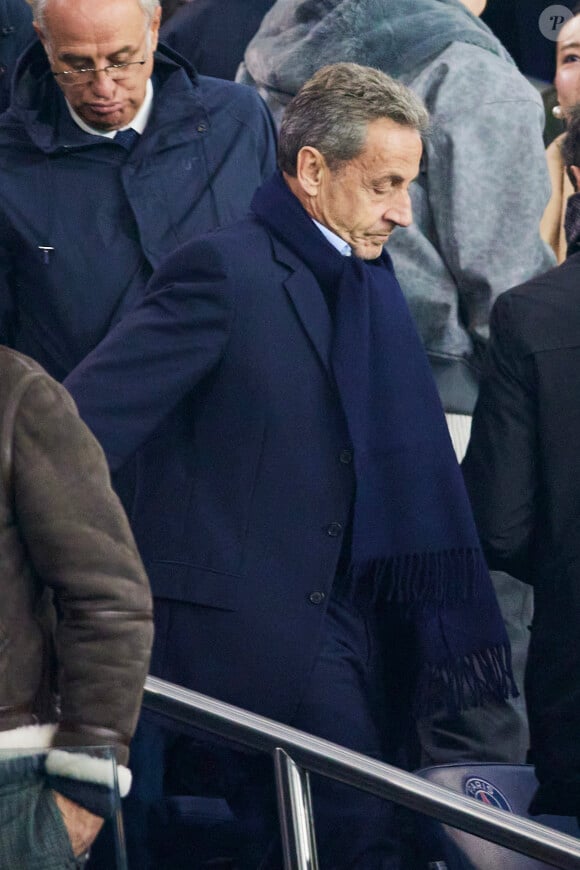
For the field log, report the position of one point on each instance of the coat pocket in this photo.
(180, 581)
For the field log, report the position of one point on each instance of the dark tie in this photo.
(126, 138)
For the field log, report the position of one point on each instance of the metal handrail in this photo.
(329, 759)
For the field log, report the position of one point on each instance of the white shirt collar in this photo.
(341, 246)
(138, 123)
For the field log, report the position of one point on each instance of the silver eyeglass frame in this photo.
(69, 76)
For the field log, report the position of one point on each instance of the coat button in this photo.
(316, 597)
(201, 128)
(334, 530)
(345, 457)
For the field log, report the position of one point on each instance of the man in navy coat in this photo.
(297, 490)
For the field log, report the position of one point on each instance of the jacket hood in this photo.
(297, 37)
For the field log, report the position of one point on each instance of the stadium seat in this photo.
(509, 787)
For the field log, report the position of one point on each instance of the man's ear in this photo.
(310, 167)
(155, 23)
(42, 37)
(39, 32)
(574, 176)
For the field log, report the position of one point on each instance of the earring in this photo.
(557, 112)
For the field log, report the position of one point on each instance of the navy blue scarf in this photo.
(414, 541)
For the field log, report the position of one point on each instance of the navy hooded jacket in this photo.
(83, 223)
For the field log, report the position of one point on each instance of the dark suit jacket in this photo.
(522, 471)
(16, 32)
(221, 380)
(213, 35)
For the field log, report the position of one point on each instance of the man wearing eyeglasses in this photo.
(113, 153)
(117, 94)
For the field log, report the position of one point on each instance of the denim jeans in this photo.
(33, 835)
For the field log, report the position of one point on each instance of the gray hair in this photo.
(39, 9)
(331, 111)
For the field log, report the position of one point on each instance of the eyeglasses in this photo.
(115, 71)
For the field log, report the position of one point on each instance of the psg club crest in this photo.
(484, 791)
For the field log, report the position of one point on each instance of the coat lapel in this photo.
(308, 302)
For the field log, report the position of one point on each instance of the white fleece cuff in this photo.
(28, 739)
(86, 768)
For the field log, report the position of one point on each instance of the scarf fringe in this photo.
(483, 676)
(442, 578)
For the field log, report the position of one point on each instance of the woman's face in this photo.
(567, 78)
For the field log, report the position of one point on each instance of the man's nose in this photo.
(102, 85)
(400, 211)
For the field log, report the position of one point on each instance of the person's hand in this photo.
(82, 826)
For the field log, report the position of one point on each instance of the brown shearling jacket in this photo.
(76, 617)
